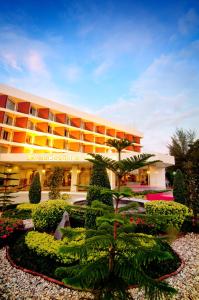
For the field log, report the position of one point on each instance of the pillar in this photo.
(74, 175)
(112, 179)
(157, 177)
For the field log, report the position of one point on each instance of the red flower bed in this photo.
(9, 226)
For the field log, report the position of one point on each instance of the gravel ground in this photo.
(15, 284)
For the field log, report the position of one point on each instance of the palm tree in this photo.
(179, 146)
(119, 145)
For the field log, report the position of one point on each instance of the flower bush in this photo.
(9, 226)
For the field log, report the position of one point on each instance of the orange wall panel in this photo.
(19, 137)
(21, 122)
(75, 122)
(17, 150)
(43, 127)
(3, 100)
(130, 148)
(120, 135)
(58, 144)
(23, 107)
(74, 146)
(75, 134)
(43, 113)
(89, 137)
(100, 150)
(137, 148)
(111, 132)
(2, 113)
(89, 126)
(100, 140)
(100, 129)
(129, 137)
(40, 140)
(88, 149)
(137, 139)
(60, 131)
(61, 118)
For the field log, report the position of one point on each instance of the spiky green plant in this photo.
(108, 265)
(7, 189)
(124, 166)
(119, 145)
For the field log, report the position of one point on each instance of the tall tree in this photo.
(179, 146)
(55, 182)
(99, 179)
(192, 172)
(35, 189)
(119, 145)
(179, 190)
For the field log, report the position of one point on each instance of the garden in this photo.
(105, 250)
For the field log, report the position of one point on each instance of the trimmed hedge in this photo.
(166, 214)
(27, 206)
(48, 214)
(44, 244)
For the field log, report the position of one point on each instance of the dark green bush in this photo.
(35, 189)
(90, 217)
(179, 190)
(17, 214)
(99, 179)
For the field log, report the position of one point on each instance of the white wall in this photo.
(157, 177)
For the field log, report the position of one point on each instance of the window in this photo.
(29, 139)
(65, 132)
(8, 120)
(33, 111)
(5, 135)
(50, 129)
(10, 104)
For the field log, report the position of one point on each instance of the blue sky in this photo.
(133, 62)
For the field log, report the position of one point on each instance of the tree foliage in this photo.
(7, 189)
(192, 171)
(99, 179)
(108, 265)
(179, 146)
(35, 189)
(55, 182)
(179, 190)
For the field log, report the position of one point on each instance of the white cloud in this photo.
(72, 73)
(102, 68)
(188, 22)
(35, 63)
(164, 97)
(20, 53)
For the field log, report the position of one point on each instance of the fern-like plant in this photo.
(108, 265)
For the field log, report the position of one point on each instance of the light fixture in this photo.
(43, 171)
(148, 172)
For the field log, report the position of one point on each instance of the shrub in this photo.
(27, 206)
(17, 214)
(179, 191)
(99, 179)
(44, 244)
(35, 189)
(9, 226)
(55, 181)
(48, 214)
(166, 214)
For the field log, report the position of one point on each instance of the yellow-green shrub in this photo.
(26, 206)
(44, 244)
(166, 214)
(48, 214)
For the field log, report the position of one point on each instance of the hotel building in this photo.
(37, 134)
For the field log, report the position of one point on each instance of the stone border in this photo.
(60, 283)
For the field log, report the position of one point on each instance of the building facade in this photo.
(37, 134)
